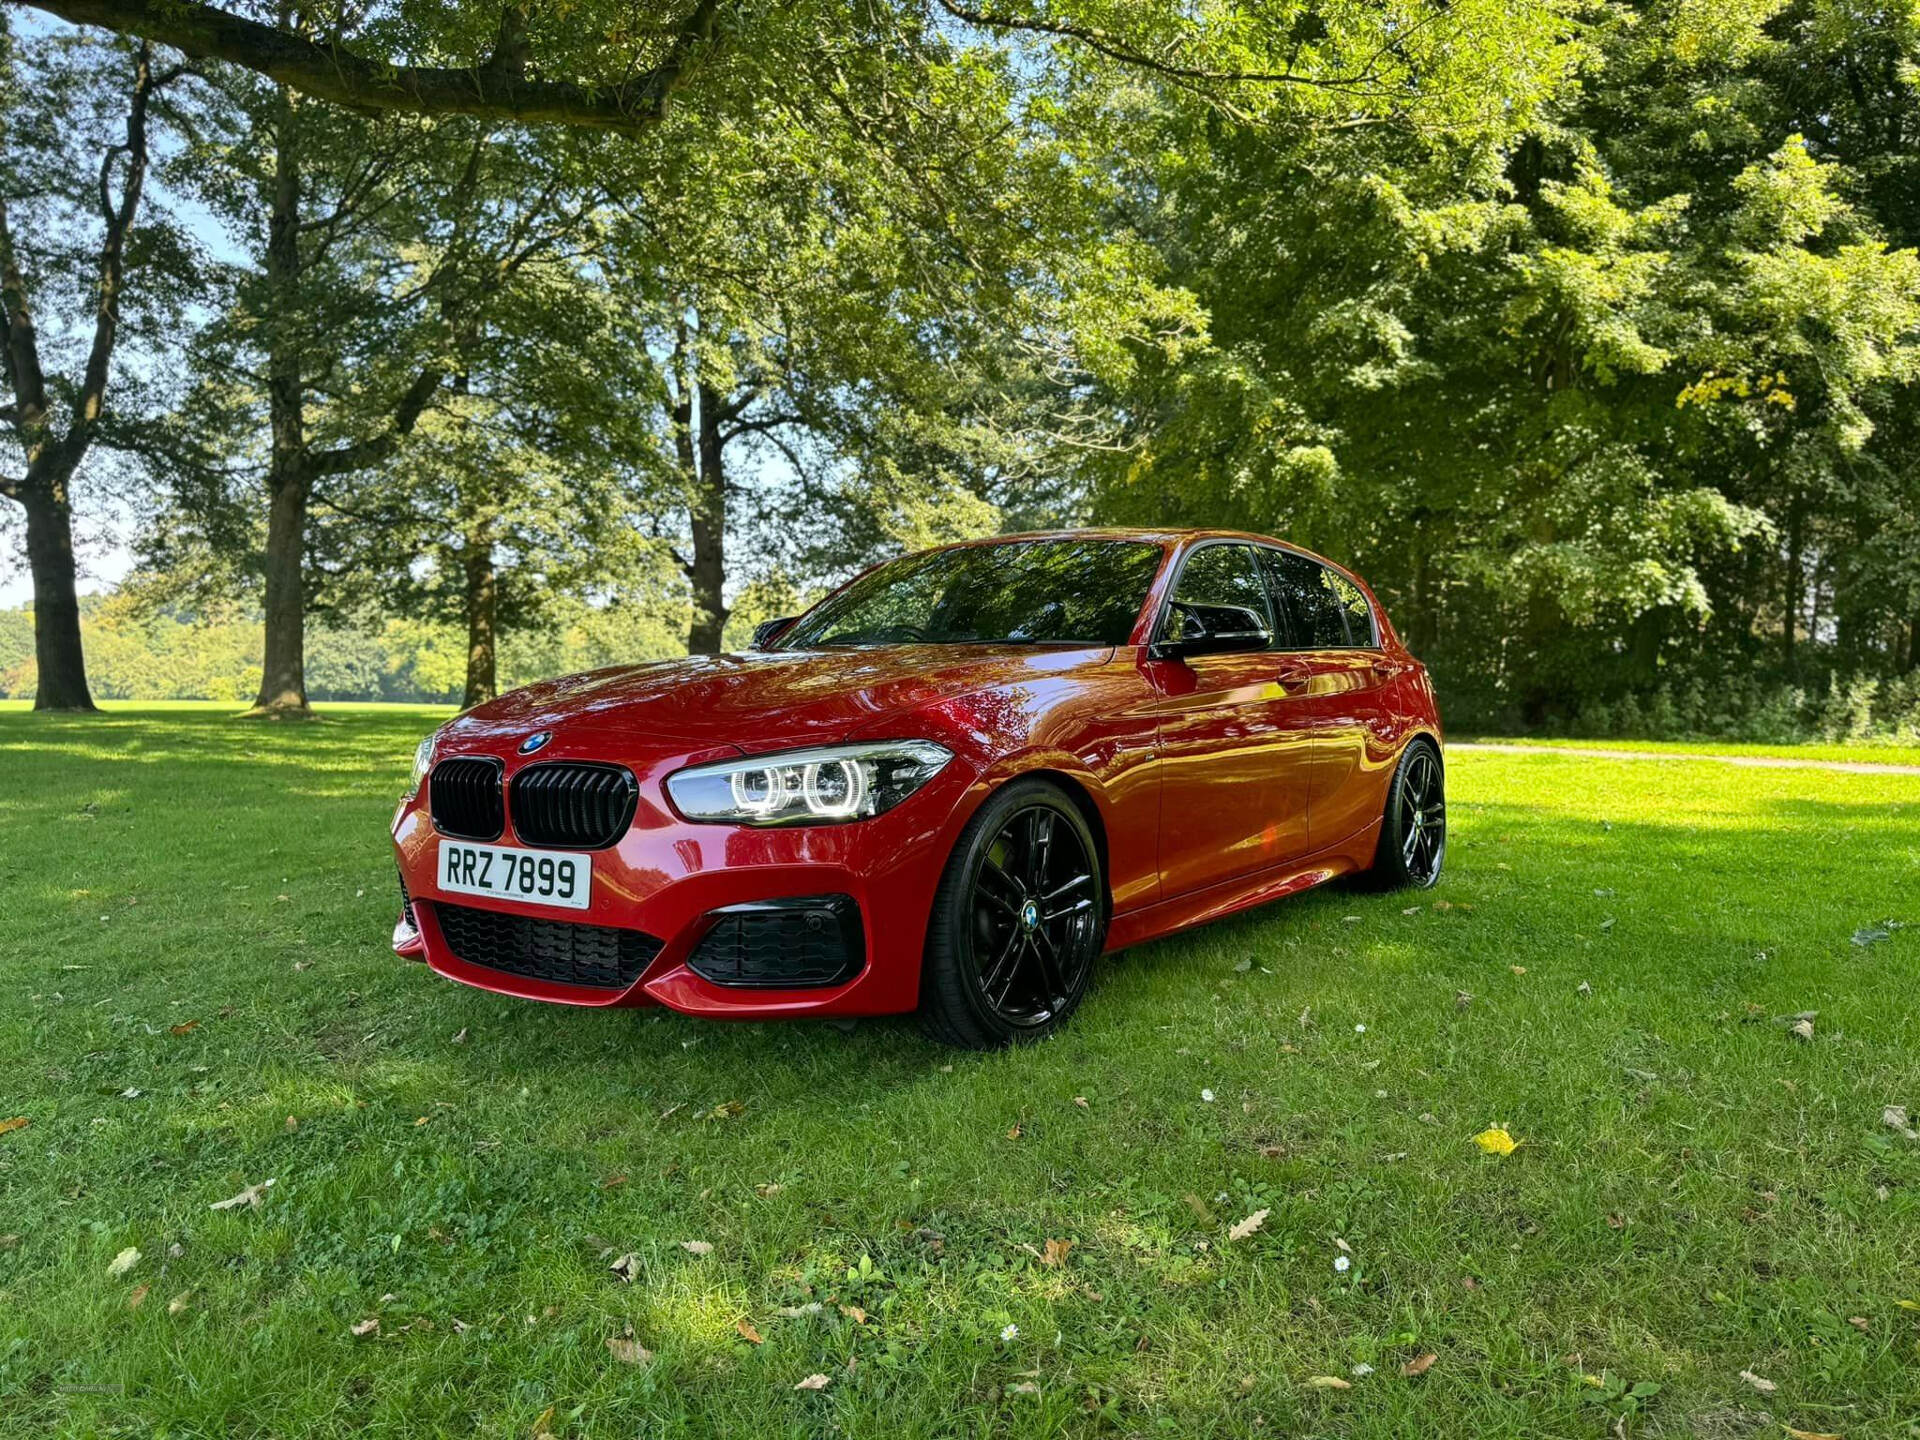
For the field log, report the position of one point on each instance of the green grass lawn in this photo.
(194, 915)
(1873, 752)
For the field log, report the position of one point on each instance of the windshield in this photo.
(1020, 592)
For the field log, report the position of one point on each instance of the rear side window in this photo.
(1324, 610)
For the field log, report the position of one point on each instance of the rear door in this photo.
(1346, 695)
(1234, 737)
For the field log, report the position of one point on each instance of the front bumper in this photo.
(684, 887)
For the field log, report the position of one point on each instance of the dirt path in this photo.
(1758, 762)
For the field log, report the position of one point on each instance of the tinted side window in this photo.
(1316, 617)
(1354, 606)
(1216, 575)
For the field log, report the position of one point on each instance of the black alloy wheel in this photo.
(1017, 922)
(1413, 839)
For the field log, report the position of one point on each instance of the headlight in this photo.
(422, 762)
(808, 787)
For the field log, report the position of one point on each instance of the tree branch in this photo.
(371, 451)
(10, 487)
(1106, 43)
(23, 346)
(119, 220)
(498, 88)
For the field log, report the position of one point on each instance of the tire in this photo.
(1413, 836)
(1017, 921)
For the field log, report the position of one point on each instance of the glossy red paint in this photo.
(1214, 784)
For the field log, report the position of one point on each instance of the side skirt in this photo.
(1199, 907)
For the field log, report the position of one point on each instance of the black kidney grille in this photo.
(556, 950)
(572, 805)
(464, 793)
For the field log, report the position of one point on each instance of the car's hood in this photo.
(765, 701)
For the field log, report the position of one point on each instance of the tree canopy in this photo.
(1588, 332)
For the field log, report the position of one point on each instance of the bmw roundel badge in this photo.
(535, 742)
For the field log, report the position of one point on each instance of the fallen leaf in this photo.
(794, 1312)
(853, 1313)
(626, 1267)
(1013, 1132)
(1342, 1245)
(179, 1302)
(726, 1110)
(541, 1423)
(1802, 1029)
(1419, 1365)
(696, 1247)
(123, 1262)
(1247, 1226)
(1583, 988)
(293, 1124)
(251, 1196)
(1860, 1323)
(747, 1332)
(768, 1190)
(1810, 1434)
(1518, 969)
(185, 1027)
(9, 1241)
(1242, 967)
(1894, 1117)
(1081, 1101)
(1411, 910)
(1760, 1383)
(1614, 1222)
(18, 1122)
(139, 1294)
(460, 1036)
(1025, 1387)
(1328, 1382)
(1462, 999)
(814, 1382)
(368, 1326)
(1496, 1141)
(1056, 1252)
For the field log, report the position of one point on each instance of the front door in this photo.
(1235, 737)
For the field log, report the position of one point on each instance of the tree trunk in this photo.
(1913, 643)
(283, 674)
(56, 605)
(708, 572)
(1794, 596)
(482, 603)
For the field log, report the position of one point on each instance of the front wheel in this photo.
(1017, 921)
(1413, 837)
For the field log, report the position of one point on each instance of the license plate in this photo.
(534, 877)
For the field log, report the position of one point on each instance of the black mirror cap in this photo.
(1212, 630)
(769, 630)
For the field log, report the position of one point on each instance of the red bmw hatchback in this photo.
(948, 787)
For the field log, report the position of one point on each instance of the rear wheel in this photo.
(1017, 921)
(1413, 837)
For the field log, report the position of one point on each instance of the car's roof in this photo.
(1159, 536)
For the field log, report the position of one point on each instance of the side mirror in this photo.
(1211, 630)
(769, 630)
